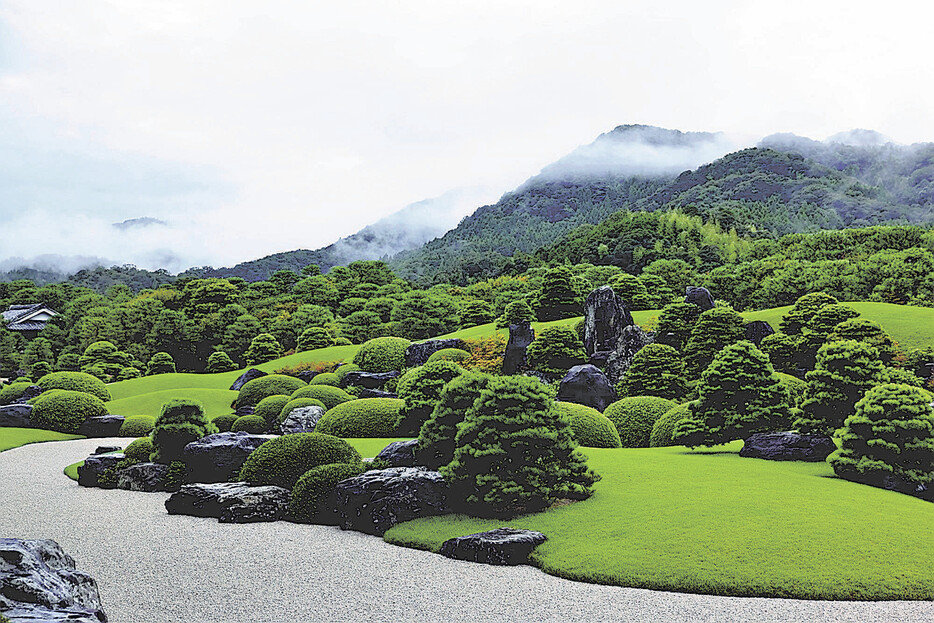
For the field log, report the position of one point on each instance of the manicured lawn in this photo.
(216, 401)
(646, 319)
(11, 437)
(72, 470)
(708, 522)
(370, 447)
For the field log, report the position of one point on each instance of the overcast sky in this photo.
(259, 127)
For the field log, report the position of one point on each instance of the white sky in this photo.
(270, 126)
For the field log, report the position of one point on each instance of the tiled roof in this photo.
(26, 326)
(16, 312)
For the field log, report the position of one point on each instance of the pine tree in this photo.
(656, 370)
(804, 308)
(715, 329)
(263, 348)
(436, 438)
(559, 298)
(631, 290)
(675, 324)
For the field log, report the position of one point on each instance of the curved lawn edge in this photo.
(12, 437)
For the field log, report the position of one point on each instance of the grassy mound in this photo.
(216, 401)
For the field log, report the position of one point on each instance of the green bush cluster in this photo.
(76, 382)
(269, 409)
(220, 361)
(64, 410)
(663, 430)
(140, 449)
(656, 370)
(160, 363)
(326, 378)
(590, 427)
(252, 424)
(457, 355)
(329, 396)
(556, 350)
(181, 422)
(635, 416)
(313, 497)
(420, 389)
(9, 393)
(224, 422)
(269, 385)
(345, 369)
(365, 417)
(297, 403)
(137, 425)
(436, 437)
(283, 460)
(382, 354)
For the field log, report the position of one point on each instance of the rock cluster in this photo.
(368, 380)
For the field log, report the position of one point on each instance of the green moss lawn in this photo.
(216, 401)
(11, 437)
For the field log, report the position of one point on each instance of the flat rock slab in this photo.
(502, 546)
(246, 377)
(90, 472)
(218, 457)
(368, 380)
(16, 415)
(788, 446)
(375, 501)
(101, 426)
(230, 502)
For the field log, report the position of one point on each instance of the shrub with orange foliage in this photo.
(486, 354)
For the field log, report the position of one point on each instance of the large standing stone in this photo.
(417, 354)
(399, 453)
(31, 392)
(587, 385)
(520, 336)
(757, 330)
(147, 477)
(101, 426)
(631, 341)
(788, 446)
(39, 582)
(375, 501)
(246, 377)
(16, 415)
(369, 380)
(230, 502)
(90, 472)
(218, 457)
(301, 420)
(501, 546)
(699, 296)
(605, 317)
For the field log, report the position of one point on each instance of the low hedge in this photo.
(591, 428)
(330, 396)
(137, 425)
(269, 385)
(15, 391)
(269, 409)
(456, 355)
(224, 422)
(313, 498)
(635, 416)
(139, 450)
(283, 460)
(382, 354)
(253, 424)
(366, 417)
(326, 378)
(297, 403)
(664, 428)
(76, 382)
(64, 410)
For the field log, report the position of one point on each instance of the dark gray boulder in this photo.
(106, 449)
(587, 385)
(218, 457)
(788, 446)
(417, 354)
(101, 426)
(757, 330)
(31, 392)
(369, 380)
(90, 472)
(306, 375)
(246, 377)
(301, 420)
(16, 415)
(376, 393)
(399, 453)
(501, 546)
(520, 336)
(605, 317)
(699, 296)
(245, 410)
(631, 341)
(39, 582)
(147, 477)
(375, 501)
(230, 502)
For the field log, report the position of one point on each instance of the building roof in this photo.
(21, 317)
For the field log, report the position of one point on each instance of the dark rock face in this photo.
(587, 385)
(301, 420)
(147, 477)
(369, 380)
(375, 501)
(376, 393)
(699, 296)
(106, 449)
(95, 465)
(101, 426)
(757, 330)
(245, 410)
(16, 415)
(218, 457)
(520, 336)
(306, 375)
(788, 446)
(39, 582)
(246, 377)
(605, 317)
(502, 546)
(230, 502)
(631, 341)
(418, 354)
(399, 453)
(31, 392)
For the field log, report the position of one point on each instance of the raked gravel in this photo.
(155, 568)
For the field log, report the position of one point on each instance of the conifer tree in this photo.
(675, 324)
(436, 438)
(559, 298)
(715, 329)
(656, 370)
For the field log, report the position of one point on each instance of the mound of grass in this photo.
(216, 401)
(369, 447)
(11, 437)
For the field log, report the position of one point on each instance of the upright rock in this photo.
(417, 354)
(587, 385)
(246, 377)
(218, 457)
(631, 341)
(301, 420)
(399, 453)
(16, 415)
(520, 336)
(375, 501)
(699, 296)
(605, 317)
(757, 330)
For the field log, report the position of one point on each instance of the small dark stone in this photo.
(218, 457)
(31, 392)
(245, 410)
(375, 501)
(757, 330)
(230, 502)
(376, 393)
(502, 546)
(605, 317)
(246, 377)
(306, 375)
(147, 477)
(89, 473)
(101, 426)
(700, 297)
(520, 336)
(16, 415)
(369, 380)
(788, 446)
(417, 354)
(399, 453)
(301, 420)
(587, 385)
(631, 341)
(106, 449)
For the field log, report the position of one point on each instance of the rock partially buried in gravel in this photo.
(502, 546)
(101, 426)
(217, 457)
(16, 415)
(230, 502)
(245, 378)
(788, 446)
(90, 472)
(301, 420)
(146, 477)
(399, 453)
(39, 582)
(375, 501)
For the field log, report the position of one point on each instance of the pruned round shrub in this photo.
(297, 403)
(590, 427)
(635, 416)
(181, 422)
(664, 428)
(224, 422)
(76, 382)
(326, 378)
(252, 424)
(313, 498)
(269, 385)
(420, 388)
(556, 350)
(283, 460)
(382, 354)
(14, 391)
(366, 417)
(269, 409)
(64, 410)
(343, 370)
(161, 363)
(139, 450)
(137, 425)
(457, 355)
(330, 396)
(219, 361)
(313, 338)
(436, 437)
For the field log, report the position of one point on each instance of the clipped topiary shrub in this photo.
(76, 382)
(341, 371)
(635, 416)
(269, 385)
(313, 338)
(366, 417)
(64, 410)
(663, 430)
(326, 378)
(329, 396)
(14, 391)
(181, 422)
(220, 362)
(283, 460)
(420, 388)
(456, 355)
(140, 449)
(137, 425)
(313, 498)
(382, 354)
(224, 422)
(161, 363)
(296, 403)
(269, 409)
(436, 438)
(556, 350)
(590, 427)
(252, 424)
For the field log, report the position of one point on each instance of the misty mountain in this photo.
(139, 223)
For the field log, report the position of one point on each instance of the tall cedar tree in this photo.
(559, 298)
(715, 329)
(436, 438)
(656, 370)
